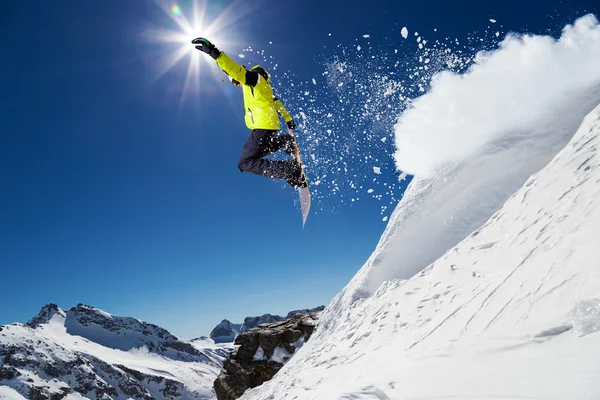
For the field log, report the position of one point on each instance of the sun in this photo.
(190, 23)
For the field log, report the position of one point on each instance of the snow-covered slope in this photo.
(510, 312)
(87, 353)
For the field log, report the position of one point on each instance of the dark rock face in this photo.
(262, 352)
(45, 315)
(226, 331)
(305, 311)
(253, 322)
(7, 373)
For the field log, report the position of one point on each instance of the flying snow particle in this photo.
(385, 219)
(497, 34)
(383, 139)
(377, 170)
(366, 36)
(404, 33)
(370, 191)
(358, 48)
(329, 131)
(270, 42)
(241, 56)
(493, 21)
(314, 81)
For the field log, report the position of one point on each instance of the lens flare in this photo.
(176, 10)
(191, 22)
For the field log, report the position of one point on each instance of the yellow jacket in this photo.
(259, 103)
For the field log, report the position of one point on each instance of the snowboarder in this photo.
(262, 109)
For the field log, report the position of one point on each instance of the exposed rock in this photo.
(253, 322)
(37, 393)
(7, 373)
(262, 352)
(305, 311)
(227, 332)
(131, 388)
(45, 315)
(171, 390)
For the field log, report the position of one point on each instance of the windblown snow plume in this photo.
(506, 94)
(475, 138)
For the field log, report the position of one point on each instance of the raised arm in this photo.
(231, 68)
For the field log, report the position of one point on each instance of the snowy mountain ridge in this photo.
(86, 353)
(512, 311)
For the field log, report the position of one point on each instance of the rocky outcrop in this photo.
(305, 311)
(227, 332)
(262, 352)
(253, 322)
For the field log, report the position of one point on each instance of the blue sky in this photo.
(119, 194)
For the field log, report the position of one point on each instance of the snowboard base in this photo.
(304, 192)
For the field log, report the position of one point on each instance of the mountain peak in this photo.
(45, 315)
(225, 332)
(87, 353)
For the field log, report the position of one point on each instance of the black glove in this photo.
(291, 124)
(207, 47)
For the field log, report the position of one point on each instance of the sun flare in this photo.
(189, 23)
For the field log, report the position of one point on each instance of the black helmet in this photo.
(263, 72)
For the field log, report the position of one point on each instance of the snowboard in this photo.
(303, 192)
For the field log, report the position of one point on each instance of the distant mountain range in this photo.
(226, 332)
(85, 352)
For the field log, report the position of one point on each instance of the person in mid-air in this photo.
(262, 109)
